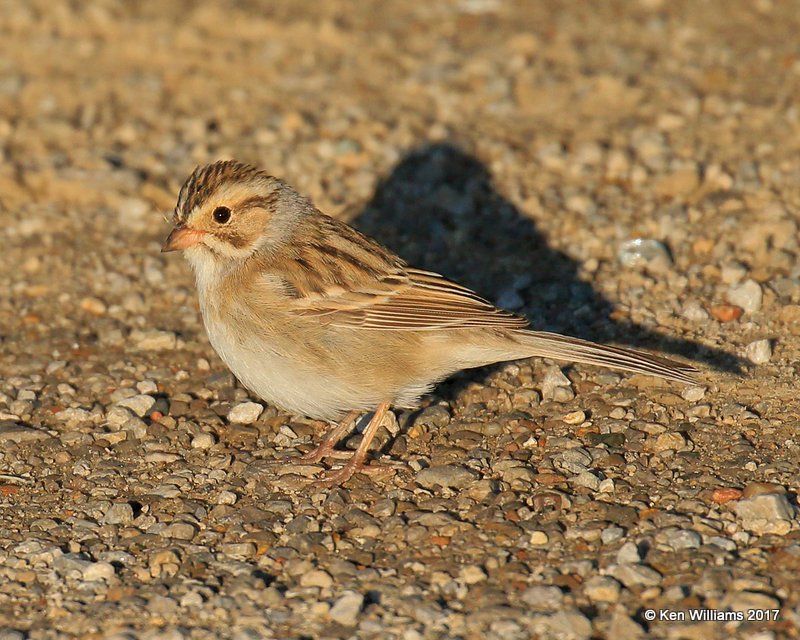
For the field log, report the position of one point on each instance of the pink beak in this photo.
(182, 238)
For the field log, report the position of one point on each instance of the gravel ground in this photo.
(621, 171)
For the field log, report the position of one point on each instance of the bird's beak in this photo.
(181, 238)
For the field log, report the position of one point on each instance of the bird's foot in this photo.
(318, 454)
(337, 477)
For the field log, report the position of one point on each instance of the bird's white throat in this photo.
(208, 268)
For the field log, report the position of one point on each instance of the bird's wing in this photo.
(413, 299)
(345, 279)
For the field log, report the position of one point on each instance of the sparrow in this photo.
(317, 319)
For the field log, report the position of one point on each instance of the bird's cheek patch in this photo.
(236, 240)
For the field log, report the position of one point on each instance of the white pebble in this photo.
(554, 379)
(472, 574)
(644, 252)
(693, 394)
(768, 513)
(747, 295)
(157, 341)
(316, 578)
(139, 404)
(538, 538)
(758, 351)
(191, 599)
(602, 589)
(575, 417)
(55, 366)
(733, 272)
(203, 441)
(147, 386)
(346, 609)
(606, 486)
(117, 416)
(693, 312)
(73, 416)
(245, 413)
(98, 571)
(628, 553)
(226, 497)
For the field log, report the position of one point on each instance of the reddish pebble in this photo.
(156, 416)
(726, 312)
(725, 494)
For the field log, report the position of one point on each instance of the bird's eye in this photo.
(222, 215)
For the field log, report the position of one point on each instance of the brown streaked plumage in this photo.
(204, 180)
(318, 319)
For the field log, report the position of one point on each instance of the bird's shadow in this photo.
(439, 210)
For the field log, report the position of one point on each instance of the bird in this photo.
(319, 320)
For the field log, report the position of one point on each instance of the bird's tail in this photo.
(551, 345)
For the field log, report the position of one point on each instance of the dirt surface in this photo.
(621, 171)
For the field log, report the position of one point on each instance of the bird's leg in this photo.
(356, 462)
(326, 447)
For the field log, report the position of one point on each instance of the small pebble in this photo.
(683, 539)
(239, 550)
(644, 252)
(147, 386)
(347, 608)
(316, 578)
(446, 475)
(575, 417)
(139, 404)
(74, 416)
(693, 312)
(726, 312)
(747, 295)
(98, 571)
(693, 393)
(155, 340)
(606, 486)
(191, 599)
(472, 574)
(95, 306)
(635, 575)
(542, 597)
(245, 413)
(181, 531)
(602, 589)
(670, 441)
(733, 272)
(119, 513)
(624, 627)
(554, 379)
(759, 351)
(226, 497)
(629, 553)
(723, 495)
(767, 513)
(538, 538)
(13, 432)
(753, 489)
(586, 479)
(723, 543)
(611, 534)
(203, 441)
(570, 623)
